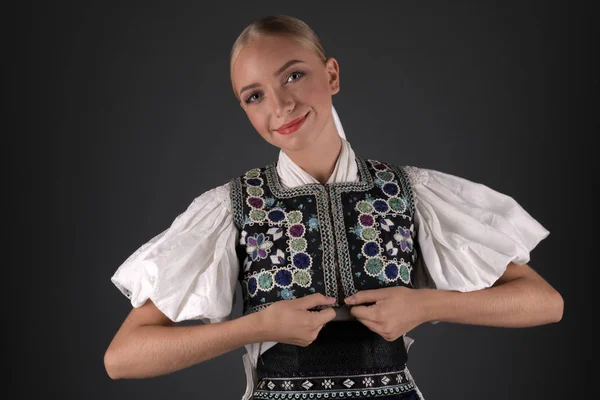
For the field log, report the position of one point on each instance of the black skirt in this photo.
(346, 361)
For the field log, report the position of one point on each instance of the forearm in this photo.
(153, 350)
(521, 302)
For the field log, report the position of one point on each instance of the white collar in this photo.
(345, 170)
(292, 175)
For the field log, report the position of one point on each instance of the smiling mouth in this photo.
(292, 126)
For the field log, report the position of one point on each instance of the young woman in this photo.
(338, 256)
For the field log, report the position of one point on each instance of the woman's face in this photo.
(279, 81)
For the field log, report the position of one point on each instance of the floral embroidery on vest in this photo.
(275, 242)
(302, 240)
(380, 256)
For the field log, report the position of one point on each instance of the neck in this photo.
(319, 159)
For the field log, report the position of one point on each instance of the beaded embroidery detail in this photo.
(377, 251)
(286, 272)
(323, 218)
(376, 217)
(380, 258)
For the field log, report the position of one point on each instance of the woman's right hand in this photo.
(291, 322)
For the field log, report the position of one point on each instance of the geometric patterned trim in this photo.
(336, 189)
(236, 201)
(330, 216)
(336, 387)
(327, 238)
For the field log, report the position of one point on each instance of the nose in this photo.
(282, 102)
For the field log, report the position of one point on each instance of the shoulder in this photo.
(219, 192)
(211, 200)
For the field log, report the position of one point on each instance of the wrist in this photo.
(433, 303)
(255, 327)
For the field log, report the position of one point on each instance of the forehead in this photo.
(263, 56)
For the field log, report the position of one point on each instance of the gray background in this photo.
(131, 116)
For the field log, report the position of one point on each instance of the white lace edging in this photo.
(416, 176)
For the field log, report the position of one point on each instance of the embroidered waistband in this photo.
(393, 382)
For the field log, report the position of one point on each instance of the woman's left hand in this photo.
(396, 310)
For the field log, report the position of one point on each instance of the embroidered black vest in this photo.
(334, 239)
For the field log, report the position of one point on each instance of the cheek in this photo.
(316, 93)
(258, 121)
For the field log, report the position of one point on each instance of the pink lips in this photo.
(292, 126)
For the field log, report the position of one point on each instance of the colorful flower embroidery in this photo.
(281, 244)
(288, 266)
(356, 230)
(287, 294)
(284, 278)
(258, 246)
(374, 219)
(269, 201)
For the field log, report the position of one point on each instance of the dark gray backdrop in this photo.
(131, 117)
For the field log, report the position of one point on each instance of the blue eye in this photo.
(252, 98)
(255, 96)
(298, 75)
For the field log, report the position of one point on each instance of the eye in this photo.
(252, 98)
(294, 76)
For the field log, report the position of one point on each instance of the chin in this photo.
(291, 145)
(298, 142)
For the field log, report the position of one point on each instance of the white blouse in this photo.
(468, 234)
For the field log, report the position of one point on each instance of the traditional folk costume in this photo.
(283, 235)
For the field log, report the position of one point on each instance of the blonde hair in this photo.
(276, 25)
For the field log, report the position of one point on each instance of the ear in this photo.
(333, 71)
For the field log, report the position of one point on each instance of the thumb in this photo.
(314, 300)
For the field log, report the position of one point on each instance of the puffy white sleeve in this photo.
(190, 270)
(467, 232)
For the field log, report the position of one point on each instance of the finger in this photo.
(367, 296)
(313, 300)
(324, 316)
(364, 313)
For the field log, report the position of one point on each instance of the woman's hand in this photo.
(291, 322)
(519, 298)
(396, 310)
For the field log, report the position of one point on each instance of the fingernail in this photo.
(349, 300)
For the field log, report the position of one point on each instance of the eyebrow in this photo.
(279, 71)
